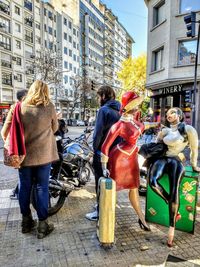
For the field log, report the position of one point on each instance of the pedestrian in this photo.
(20, 95)
(108, 114)
(120, 161)
(177, 136)
(40, 122)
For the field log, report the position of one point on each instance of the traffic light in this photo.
(188, 96)
(190, 24)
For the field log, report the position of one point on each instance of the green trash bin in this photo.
(157, 211)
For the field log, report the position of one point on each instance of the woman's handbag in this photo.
(14, 150)
(12, 160)
(153, 150)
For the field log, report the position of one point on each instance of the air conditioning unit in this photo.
(15, 77)
(2, 25)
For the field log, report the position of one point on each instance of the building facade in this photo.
(171, 58)
(18, 35)
(84, 37)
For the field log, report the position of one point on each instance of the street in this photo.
(74, 241)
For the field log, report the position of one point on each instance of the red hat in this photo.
(130, 100)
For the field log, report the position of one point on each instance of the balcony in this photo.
(4, 28)
(28, 21)
(28, 5)
(5, 46)
(4, 8)
(29, 38)
(6, 64)
(6, 81)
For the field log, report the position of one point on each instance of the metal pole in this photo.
(195, 80)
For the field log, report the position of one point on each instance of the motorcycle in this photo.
(71, 172)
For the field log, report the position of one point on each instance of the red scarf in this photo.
(17, 142)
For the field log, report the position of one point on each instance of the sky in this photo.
(132, 14)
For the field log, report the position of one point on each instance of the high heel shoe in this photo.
(143, 227)
(178, 217)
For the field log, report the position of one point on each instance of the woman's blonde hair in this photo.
(38, 94)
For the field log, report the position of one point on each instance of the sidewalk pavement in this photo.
(74, 243)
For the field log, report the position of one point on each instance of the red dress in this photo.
(123, 161)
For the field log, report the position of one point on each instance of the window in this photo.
(74, 45)
(70, 24)
(70, 39)
(50, 30)
(65, 50)
(17, 10)
(70, 52)
(66, 79)
(45, 11)
(74, 57)
(18, 44)
(19, 77)
(187, 52)
(157, 59)
(159, 13)
(70, 66)
(65, 21)
(17, 27)
(65, 64)
(187, 6)
(65, 36)
(74, 31)
(75, 70)
(54, 33)
(37, 26)
(18, 61)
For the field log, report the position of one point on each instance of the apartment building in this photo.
(17, 38)
(92, 40)
(109, 46)
(84, 37)
(171, 57)
(122, 49)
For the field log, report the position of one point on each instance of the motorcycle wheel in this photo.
(56, 200)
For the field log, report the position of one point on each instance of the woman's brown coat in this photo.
(40, 124)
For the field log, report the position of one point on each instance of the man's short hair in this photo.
(107, 91)
(20, 94)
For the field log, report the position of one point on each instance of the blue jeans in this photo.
(38, 177)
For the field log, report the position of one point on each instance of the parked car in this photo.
(80, 123)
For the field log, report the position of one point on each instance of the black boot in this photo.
(44, 228)
(27, 223)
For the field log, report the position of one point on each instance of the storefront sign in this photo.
(169, 90)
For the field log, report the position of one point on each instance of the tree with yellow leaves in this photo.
(133, 75)
(133, 78)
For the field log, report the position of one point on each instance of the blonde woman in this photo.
(40, 122)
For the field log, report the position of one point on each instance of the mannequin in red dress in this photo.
(122, 159)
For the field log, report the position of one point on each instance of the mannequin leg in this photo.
(175, 175)
(156, 172)
(135, 202)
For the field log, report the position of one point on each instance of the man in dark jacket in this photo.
(108, 115)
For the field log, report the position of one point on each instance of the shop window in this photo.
(159, 13)
(157, 59)
(187, 52)
(187, 6)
